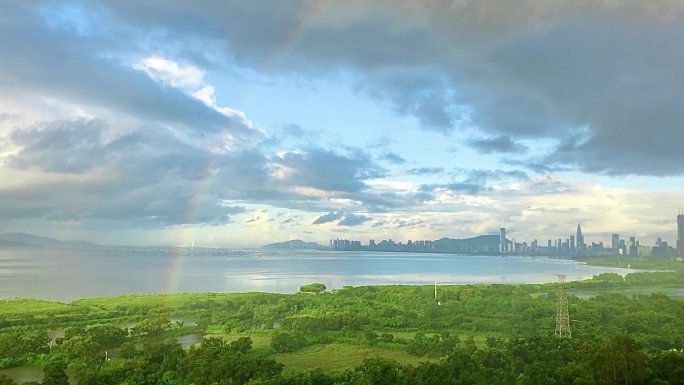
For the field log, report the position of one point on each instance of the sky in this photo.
(240, 123)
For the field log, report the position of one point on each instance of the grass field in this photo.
(636, 263)
(169, 301)
(18, 308)
(333, 357)
(260, 341)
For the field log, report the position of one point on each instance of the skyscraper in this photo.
(580, 238)
(502, 241)
(572, 243)
(680, 234)
(615, 243)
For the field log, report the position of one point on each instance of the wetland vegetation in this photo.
(468, 334)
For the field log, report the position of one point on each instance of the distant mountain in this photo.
(76, 244)
(488, 243)
(28, 239)
(23, 240)
(12, 244)
(295, 244)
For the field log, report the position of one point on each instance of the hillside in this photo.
(295, 244)
(32, 240)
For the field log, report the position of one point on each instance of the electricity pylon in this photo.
(562, 314)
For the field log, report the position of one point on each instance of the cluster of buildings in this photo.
(573, 246)
(384, 245)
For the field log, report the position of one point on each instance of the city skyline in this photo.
(572, 246)
(233, 124)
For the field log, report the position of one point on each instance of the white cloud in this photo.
(171, 73)
(190, 79)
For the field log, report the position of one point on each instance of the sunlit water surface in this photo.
(108, 271)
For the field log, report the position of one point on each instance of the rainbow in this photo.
(184, 236)
(312, 11)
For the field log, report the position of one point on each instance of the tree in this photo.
(620, 361)
(81, 347)
(55, 374)
(242, 344)
(107, 336)
(669, 367)
(283, 342)
(315, 288)
(379, 371)
(152, 326)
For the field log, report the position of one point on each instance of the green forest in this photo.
(625, 330)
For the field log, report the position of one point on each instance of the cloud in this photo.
(498, 144)
(511, 69)
(458, 188)
(70, 172)
(329, 217)
(425, 170)
(353, 220)
(167, 71)
(326, 170)
(64, 146)
(87, 70)
(343, 218)
(392, 158)
(484, 176)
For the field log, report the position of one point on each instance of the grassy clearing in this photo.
(161, 300)
(673, 291)
(636, 263)
(334, 357)
(17, 308)
(260, 341)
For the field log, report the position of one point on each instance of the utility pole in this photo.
(562, 314)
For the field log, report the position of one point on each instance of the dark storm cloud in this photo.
(498, 144)
(512, 69)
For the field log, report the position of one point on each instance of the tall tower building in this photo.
(571, 245)
(680, 234)
(580, 238)
(502, 241)
(615, 238)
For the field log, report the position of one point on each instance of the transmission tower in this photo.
(562, 314)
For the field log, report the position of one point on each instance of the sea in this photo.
(69, 274)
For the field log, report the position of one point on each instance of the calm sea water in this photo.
(71, 274)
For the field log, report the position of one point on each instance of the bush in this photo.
(387, 337)
(371, 337)
(283, 342)
(315, 288)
